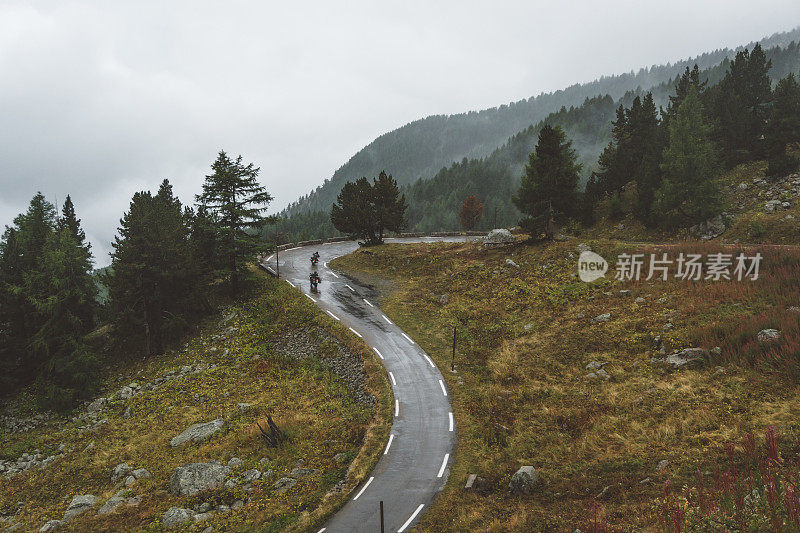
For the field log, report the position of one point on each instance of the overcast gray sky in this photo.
(102, 99)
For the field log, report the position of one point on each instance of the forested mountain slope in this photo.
(421, 148)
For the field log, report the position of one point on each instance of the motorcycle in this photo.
(315, 280)
(314, 259)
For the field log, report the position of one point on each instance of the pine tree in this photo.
(471, 212)
(152, 281)
(688, 193)
(690, 78)
(13, 307)
(646, 149)
(354, 212)
(390, 205)
(232, 194)
(783, 127)
(548, 189)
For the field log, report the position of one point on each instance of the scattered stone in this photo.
(687, 358)
(284, 484)
(639, 300)
(712, 228)
(244, 407)
(192, 478)
(238, 504)
(52, 525)
(251, 475)
(769, 335)
(340, 458)
(662, 464)
(716, 351)
(524, 481)
(605, 317)
(528, 327)
(111, 504)
(79, 505)
(198, 432)
(176, 517)
(607, 492)
(793, 309)
(97, 406)
(668, 326)
(603, 374)
(202, 517)
(222, 508)
(235, 462)
(128, 413)
(444, 299)
(125, 393)
(302, 472)
(498, 236)
(141, 473)
(595, 365)
(772, 205)
(624, 292)
(510, 262)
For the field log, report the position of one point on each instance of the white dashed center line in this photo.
(441, 384)
(444, 465)
(450, 416)
(394, 382)
(391, 437)
(357, 333)
(332, 315)
(364, 488)
(377, 352)
(411, 519)
(349, 287)
(407, 338)
(334, 274)
(366, 302)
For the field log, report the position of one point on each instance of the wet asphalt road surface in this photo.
(415, 463)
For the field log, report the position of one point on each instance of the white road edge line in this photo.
(377, 352)
(366, 302)
(270, 258)
(411, 518)
(310, 298)
(270, 269)
(397, 408)
(407, 337)
(357, 333)
(349, 287)
(290, 283)
(334, 316)
(334, 274)
(321, 530)
(441, 384)
(429, 360)
(364, 487)
(391, 437)
(450, 416)
(290, 249)
(393, 380)
(387, 319)
(444, 465)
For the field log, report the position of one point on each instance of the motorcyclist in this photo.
(314, 279)
(314, 258)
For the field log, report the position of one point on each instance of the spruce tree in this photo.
(783, 127)
(390, 205)
(688, 193)
(548, 188)
(354, 211)
(646, 149)
(232, 194)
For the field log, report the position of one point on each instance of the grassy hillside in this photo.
(270, 352)
(527, 391)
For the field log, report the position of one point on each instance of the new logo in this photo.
(591, 266)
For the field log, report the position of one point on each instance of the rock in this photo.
(198, 432)
(687, 358)
(624, 292)
(52, 525)
(478, 485)
(141, 473)
(595, 365)
(603, 374)
(130, 480)
(298, 473)
(176, 517)
(662, 464)
(251, 475)
(79, 505)
(235, 462)
(793, 309)
(128, 413)
(120, 471)
(668, 326)
(742, 186)
(96, 406)
(771, 206)
(340, 458)
(444, 299)
(284, 484)
(111, 504)
(711, 228)
(125, 393)
(607, 492)
(716, 351)
(639, 300)
(202, 517)
(498, 236)
(605, 317)
(192, 478)
(524, 481)
(769, 335)
(509, 262)
(238, 504)
(244, 407)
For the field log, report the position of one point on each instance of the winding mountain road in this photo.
(415, 462)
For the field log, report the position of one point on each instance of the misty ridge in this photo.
(484, 152)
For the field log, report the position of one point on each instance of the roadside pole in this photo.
(382, 531)
(453, 361)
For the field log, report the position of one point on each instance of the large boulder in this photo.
(687, 358)
(189, 479)
(198, 432)
(524, 481)
(499, 236)
(711, 228)
(176, 517)
(769, 335)
(79, 505)
(284, 484)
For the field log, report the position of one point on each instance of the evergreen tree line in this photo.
(167, 259)
(420, 149)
